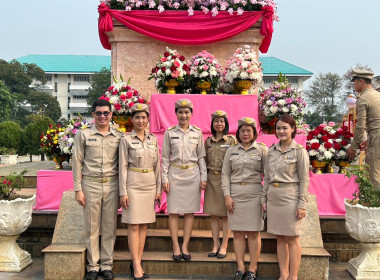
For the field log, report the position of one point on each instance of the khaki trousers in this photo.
(100, 214)
(373, 157)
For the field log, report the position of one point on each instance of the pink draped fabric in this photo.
(177, 27)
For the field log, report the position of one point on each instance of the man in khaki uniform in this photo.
(95, 171)
(368, 119)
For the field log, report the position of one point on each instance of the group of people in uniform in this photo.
(113, 169)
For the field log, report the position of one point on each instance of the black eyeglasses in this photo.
(99, 114)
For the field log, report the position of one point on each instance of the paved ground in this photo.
(35, 272)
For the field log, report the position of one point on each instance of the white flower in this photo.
(168, 72)
(244, 75)
(322, 148)
(114, 99)
(293, 107)
(273, 109)
(285, 109)
(328, 155)
(314, 141)
(313, 153)
(204, 74)
(342, 154)
(269, 102)
(281, 102)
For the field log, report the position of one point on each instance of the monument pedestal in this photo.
(133, 55)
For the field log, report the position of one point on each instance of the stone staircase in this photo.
(157, 258)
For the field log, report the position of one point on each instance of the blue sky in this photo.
(319, 36)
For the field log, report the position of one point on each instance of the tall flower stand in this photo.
(363, 224)
(15, 218)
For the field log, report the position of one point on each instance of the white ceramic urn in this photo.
(15, 218)
(363, 224)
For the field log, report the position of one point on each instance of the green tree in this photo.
(6, 103)
(326, 98)
(45, 104)
(99, 82)
(31, 136)
(10, 135)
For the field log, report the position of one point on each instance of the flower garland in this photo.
(232, 6)
(171, 65)
(122, 97)
(204, 67)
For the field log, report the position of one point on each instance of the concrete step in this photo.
(161, 263)
(201, 241)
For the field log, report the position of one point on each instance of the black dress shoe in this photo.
(221, 256)
(145, 275)
(132, 269)
(250, 276)
(107, 274)
(239, 275)
(186, 257)
(177, 258)
(138, 278)
(213, 254)
(92, 275)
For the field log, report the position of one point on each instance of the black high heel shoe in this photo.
(186, 257)
(177, 258)
(133, 272)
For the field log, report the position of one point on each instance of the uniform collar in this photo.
(111, 130)
(364, 91)
(191, 127)
(225, 137)
(292, 145)
(253, 145)
(133, 134)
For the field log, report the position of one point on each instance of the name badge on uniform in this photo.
(289, 157)
(234, 154)
(91, 139)
(151, 143)
(224, 146)
(174, 137)
(255, 154)
(193, 137)
(136, 143)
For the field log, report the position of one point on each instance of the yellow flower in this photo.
(56, 142)
(55, 137)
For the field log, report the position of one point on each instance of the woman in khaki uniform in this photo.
(242, 171)
(139, 184)
(184, 175)
(216, 147)
(285, 195)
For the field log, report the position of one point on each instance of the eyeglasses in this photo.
(99, 114)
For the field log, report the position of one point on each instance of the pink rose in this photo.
(176, 63)
(123, 97)
(205, 67)
(117, 106)
(163, 59)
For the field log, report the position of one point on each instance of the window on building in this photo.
(48, 78)
(269, 80)
(80, 96)
(68, 103)
(293, 80)
(56, 76)
(81, 78)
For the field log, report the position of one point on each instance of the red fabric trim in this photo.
(177, 28)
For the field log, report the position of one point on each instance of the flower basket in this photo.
(124, 122)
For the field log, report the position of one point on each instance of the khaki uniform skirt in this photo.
(214, 198)
(184, 194)
(282, 206)
(141, 188)
(247, 212)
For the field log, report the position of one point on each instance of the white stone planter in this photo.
(8, 159)
(15, 217)
(363, 224)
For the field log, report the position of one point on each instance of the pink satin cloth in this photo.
(177, 27)
(331, 190)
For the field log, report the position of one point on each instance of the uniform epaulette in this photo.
(299, 146)
(196, 127)
(233, 137)
(262, 144)
(171, 127)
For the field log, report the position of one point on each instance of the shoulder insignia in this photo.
(300, 146)
(196, 127)
(171, 127)
(233, 137)
(262, 144)
(85, 126)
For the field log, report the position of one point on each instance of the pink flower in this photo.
(117, 106)
(190, 11)
(129, 94)
(239, 11)
(122, 97)
(131, 104)
(205, 10)
(205, 67)
(161, 8)
(331, 123)
(176, 63)
(163, 59)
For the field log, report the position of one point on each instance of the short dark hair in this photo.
(226, 128)
(191, 109)
(101, 103)
(134, 113)
(254, 132)
(286, 118)
(365, 80)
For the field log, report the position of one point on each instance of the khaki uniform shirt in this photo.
(215, 151)
(181, 147)
(243, 166)
(368, 115)
(95, 154)
(290, 166)
(138, 154)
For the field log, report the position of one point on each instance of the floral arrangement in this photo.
(204, 67)
(122, 97)
(232, 6)
(244, 65)
(50, 141)
(280, 98)
(341, 143)
(320, 142)
(171, 65)
(66, 138)
(10, 183)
